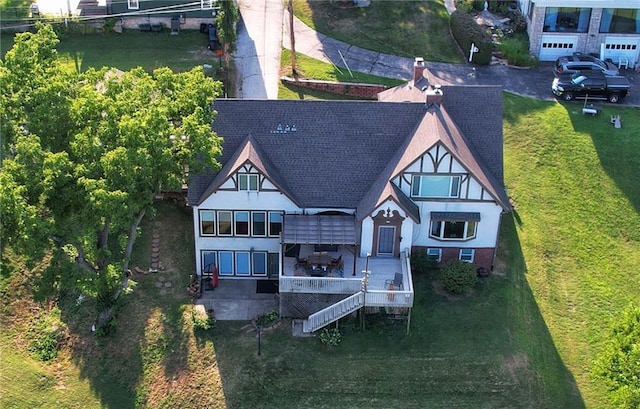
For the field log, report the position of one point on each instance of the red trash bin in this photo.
(214, 276)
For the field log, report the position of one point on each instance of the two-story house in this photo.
(331, 197)
(610, 29)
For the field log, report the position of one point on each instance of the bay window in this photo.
(453, 225)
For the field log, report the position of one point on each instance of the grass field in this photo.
(403, 28)
(525, 338)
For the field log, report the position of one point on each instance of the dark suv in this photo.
(572, 63)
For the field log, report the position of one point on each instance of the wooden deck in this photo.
(349, 281)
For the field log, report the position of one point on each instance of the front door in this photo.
(386, 240)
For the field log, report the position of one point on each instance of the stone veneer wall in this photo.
(350, 89)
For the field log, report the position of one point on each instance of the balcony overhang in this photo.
(319, 229)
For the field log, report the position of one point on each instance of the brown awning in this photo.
(319, 229)
(456, 216)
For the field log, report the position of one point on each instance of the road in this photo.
(258, 49)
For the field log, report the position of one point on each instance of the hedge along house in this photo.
(187, 14)
(606, 28)
(331, 197)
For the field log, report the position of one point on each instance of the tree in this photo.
(619, 363)
(226, 19)
(84, 155)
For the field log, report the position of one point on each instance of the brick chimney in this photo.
(418, 69)
(433, 95)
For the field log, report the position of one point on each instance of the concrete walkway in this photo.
(528, 82)
(258, 49)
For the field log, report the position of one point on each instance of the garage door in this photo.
(554, 46)
(621, 47)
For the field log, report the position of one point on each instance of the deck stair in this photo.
(333, 312)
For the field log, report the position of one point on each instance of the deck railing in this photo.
(333, 312)
(377, 298)
(320, 285)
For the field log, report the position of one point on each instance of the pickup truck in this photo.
(590, 84)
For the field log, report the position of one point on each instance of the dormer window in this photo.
(248, 182)
(435, 186)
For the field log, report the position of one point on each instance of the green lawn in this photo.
(131, 49)
(403, 28)
(525, 338)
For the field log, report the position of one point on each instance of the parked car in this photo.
(590, 84)
(577, 62)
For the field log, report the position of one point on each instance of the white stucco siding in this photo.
(487, 229)
(367, 226)
(245, 200)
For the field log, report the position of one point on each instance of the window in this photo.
(259, 264)
(453, 230)
(208, 261)
(242, 263)
(207, 222)
(567, 19)
(226, 263)
(133, 4)
(259, 223)
(434, 255)
(620, 21)
(275, 223)
(224, 223)
(242, 223)
(206, 4)
(467, 255)
(435, 186)
(248, 182)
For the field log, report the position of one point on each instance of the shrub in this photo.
(202, 320)
(466, 31)
(267, 319)
(619, 363)
(469, 6)
(421, 263)
(46, 334)
(330, 337)
(515, 49)
(458, 277)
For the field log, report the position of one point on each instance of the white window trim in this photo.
(133, 4)
(420, 195)
(235, 223)
(466, 227)
(266, 263)
(249, 177)
(215, 222)
(472, 258)
(206, 4)
(438, 254)
(237, 255)
(233, 264)
(232, 221)
(269, 223)
(265, 221)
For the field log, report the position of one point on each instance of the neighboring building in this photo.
(134, 14)
(303, 180)
(607, 28)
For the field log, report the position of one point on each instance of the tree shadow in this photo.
(617, 148)
(149, 341)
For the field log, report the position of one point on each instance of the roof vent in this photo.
(434, 95)
(284, 128)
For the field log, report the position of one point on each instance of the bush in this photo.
(268, 319)
(515, 49)
(421, 263)
(458, 277)
(619, 363)
(466, 31)
(46, 334)
(330, 337)
(202, 320)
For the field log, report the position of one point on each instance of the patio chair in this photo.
(301, 262)
(397, 282)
